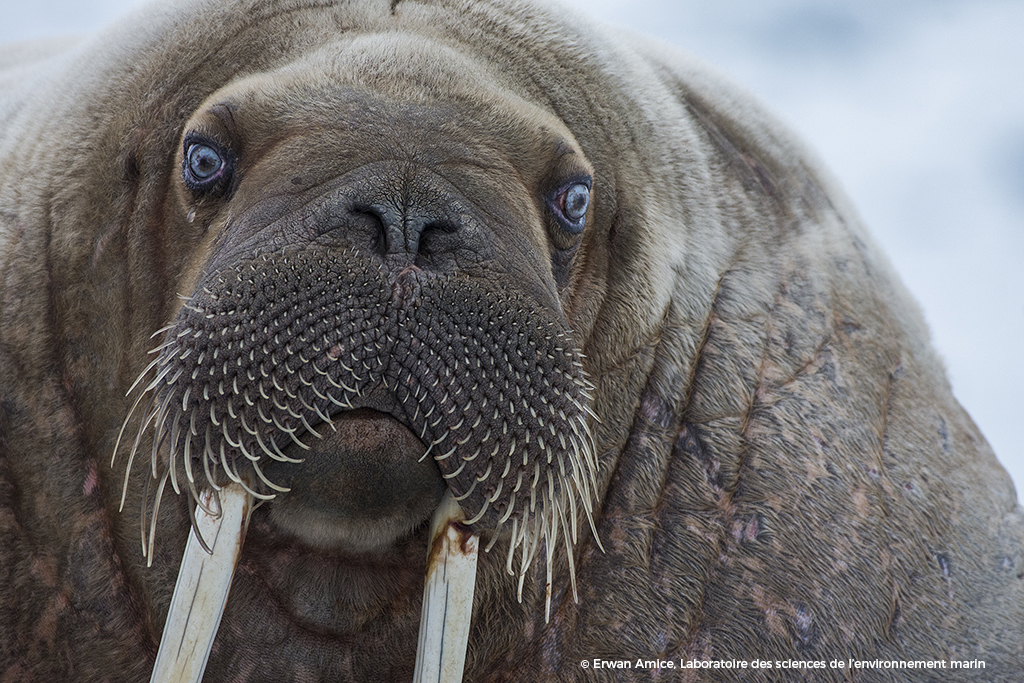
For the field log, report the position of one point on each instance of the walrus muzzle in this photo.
(353, 360)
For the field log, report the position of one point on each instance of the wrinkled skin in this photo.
(780, 468)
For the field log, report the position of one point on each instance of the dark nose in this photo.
(411, 214)
(403, 225)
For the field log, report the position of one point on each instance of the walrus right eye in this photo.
(570, 206)
(207, 167)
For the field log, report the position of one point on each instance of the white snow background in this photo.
(916, 106)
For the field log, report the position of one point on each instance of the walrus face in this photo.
(375, 316)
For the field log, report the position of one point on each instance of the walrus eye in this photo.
(577, 199)
(207, 167)
(203, 162)
(570, 206)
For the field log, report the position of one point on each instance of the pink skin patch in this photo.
(91, 480)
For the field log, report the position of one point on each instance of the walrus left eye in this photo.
(206, 168)
(203, 162)
(570, 206)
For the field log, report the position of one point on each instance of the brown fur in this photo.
(783, 470)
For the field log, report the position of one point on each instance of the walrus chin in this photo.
(207, 568)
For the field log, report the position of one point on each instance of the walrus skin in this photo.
(782, 470)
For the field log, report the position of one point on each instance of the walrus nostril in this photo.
(403, 227)
(395, 230)
(372, 218)
(432, 236)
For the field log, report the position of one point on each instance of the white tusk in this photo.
(447, 596)
(202, 588)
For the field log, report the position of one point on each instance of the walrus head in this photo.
(374, 317)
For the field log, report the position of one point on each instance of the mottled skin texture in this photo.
(783, 471)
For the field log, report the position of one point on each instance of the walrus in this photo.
(360, 285)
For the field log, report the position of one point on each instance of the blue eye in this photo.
(207, 167)
(570, 206)
(575, 202)
(204, 162)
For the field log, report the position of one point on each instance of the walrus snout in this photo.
(360, 487)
